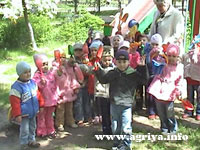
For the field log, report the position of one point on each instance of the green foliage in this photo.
(3, 26)
(77, 29)
(15, 34)
(43, 29)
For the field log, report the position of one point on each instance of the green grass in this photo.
(191, 144)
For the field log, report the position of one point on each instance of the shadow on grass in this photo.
(5, 54)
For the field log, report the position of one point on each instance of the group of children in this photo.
(101, 84)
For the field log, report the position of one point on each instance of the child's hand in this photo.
(142, 61)
(41, 109)
(71, 61)
(19, 119)
(76, 91)
(43, 81)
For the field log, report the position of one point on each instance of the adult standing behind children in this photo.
(24, 98)
(168, 22)
(123, 81)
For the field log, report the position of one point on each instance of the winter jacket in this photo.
(168, 85)
(24, 97)
(192, 68)
(123, 84)
(170, 27)
(49, 89)
(102, 90)
(68, 81)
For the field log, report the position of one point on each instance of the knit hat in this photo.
(108, 51)
(122, 53)
(173, 49)
(120, 37)
(157, 39)
(22, 67)
(39, 59)
(78, 46)
(124, 44)
(98, 36)
(96, 44)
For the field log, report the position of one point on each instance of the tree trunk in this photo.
(98, 5)
(28, 24)
(119, 4)
(75, 6)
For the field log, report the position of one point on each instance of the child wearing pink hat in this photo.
(166, 87)
(45, 80)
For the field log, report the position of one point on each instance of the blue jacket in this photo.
(27, 93)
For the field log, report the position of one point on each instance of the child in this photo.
(67, 81)
(102, 90)
(82, 107)
(123, 81)
(166, 87)
(95, 104)
(125, 45)
(115, 40)
(152, 52)
(192, 75)
(24, 98)
(45, 80)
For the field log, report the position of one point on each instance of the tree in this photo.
(13, 9)
(28, 24)
(75, 6)
(98, 5)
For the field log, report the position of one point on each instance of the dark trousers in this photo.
(167, 116)
(105, 111)
(191, 89)
(150, 101)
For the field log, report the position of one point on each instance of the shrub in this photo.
(3, 26)
(16, 33)
(77, 29)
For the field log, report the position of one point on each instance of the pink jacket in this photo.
(168, 85)
(134, 59)
(68, 82)
(48, 89)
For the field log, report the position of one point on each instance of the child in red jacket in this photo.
(25, 100)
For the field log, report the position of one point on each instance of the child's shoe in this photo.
(34, 144)
(80, 124)
(52, 135)
(61, 128)
(198, 117)
(96, 120)
(185, 116)
(152, 117)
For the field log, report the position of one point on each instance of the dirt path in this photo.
(83, 138)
